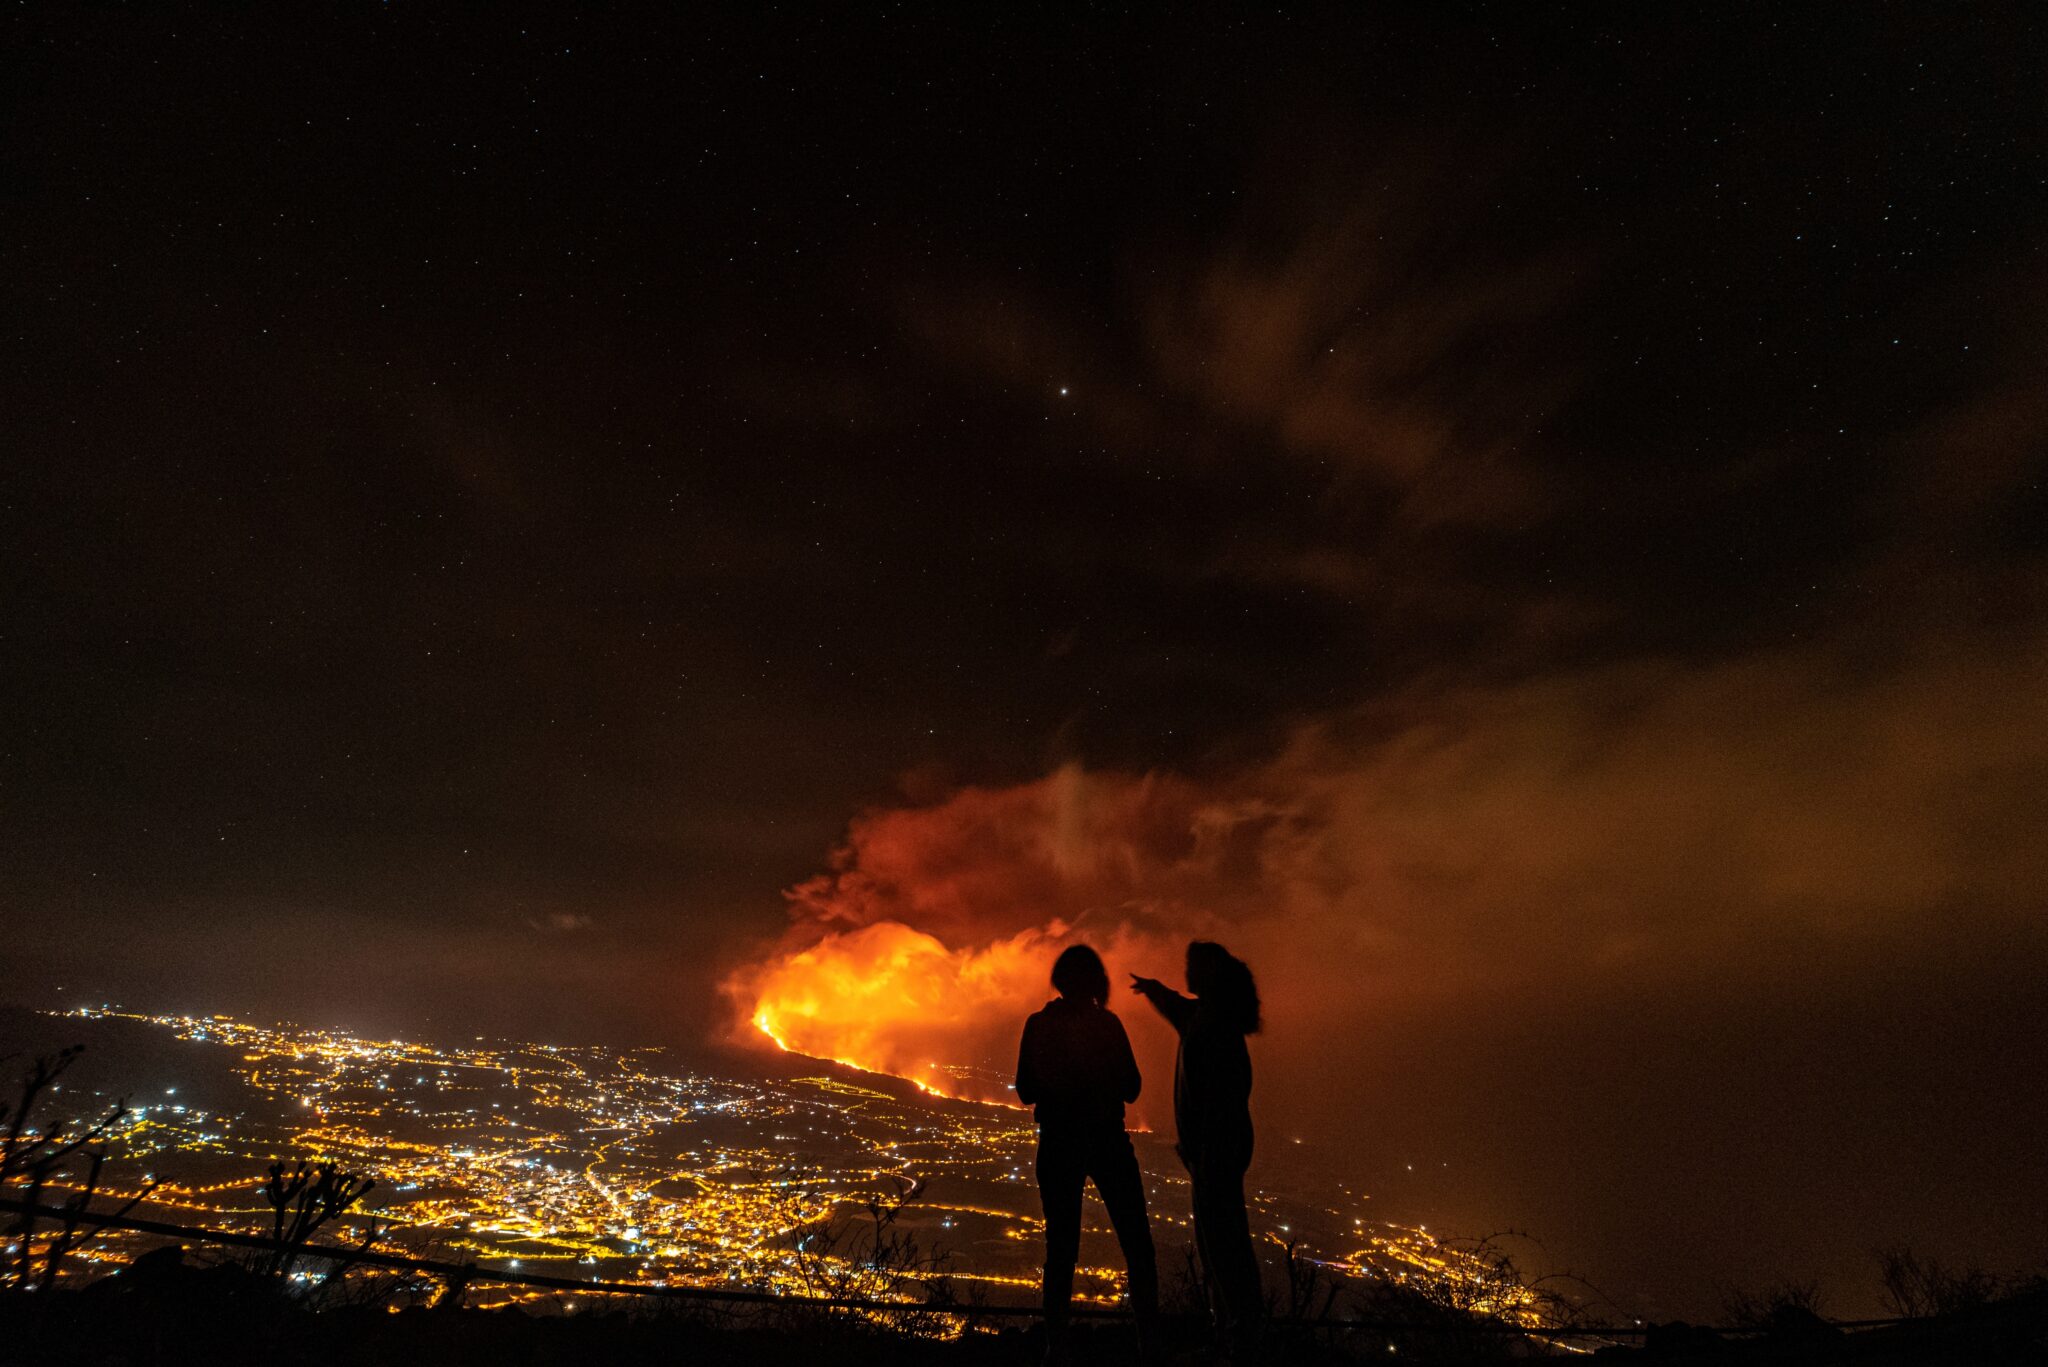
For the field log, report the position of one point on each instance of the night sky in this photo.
(1530, 523)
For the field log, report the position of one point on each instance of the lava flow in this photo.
(886, 998)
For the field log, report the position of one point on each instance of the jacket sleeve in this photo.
(1027, 1073)
(1177, 1009)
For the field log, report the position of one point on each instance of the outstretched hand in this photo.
(1145, 986)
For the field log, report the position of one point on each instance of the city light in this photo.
(617, 1164)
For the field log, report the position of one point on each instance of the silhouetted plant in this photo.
(877, 1259)
(1186, 1295)
(1913, 1287)
(455, 1288)
(69, 1237)
(301, 1202)
(1310, 1290)
(1781, 1305)
(34, 1159)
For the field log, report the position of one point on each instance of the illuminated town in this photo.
(620, 1166)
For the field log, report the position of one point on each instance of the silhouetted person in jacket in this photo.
(1212, 1089)
(1076, 1070)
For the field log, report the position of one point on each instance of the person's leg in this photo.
(1061, 1176)
(1122, 1188)
(1230, 1240)
(1200, 1196)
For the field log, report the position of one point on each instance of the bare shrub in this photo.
(38, 1159)
(1778, 1306)
(1914, 1287)
(301, 1202)
(877, 1259)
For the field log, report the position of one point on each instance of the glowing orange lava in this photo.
(889, 999)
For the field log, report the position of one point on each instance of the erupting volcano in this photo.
(924, 948)
(890, 999)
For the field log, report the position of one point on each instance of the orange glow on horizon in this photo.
(888, 999)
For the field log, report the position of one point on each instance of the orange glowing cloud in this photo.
(890, 999)
(1654, 821)
(923, 949)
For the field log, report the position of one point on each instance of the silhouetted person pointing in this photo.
(1212, 1090)
(1075, 1069)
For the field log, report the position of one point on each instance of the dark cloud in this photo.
(1540, 542)
(1745, 837)
(1352, 348)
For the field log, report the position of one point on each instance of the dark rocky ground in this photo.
(178, 1313)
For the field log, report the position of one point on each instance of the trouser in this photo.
(1066, 1164)
(1223, 1239)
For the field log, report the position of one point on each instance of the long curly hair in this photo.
(1224, 982)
